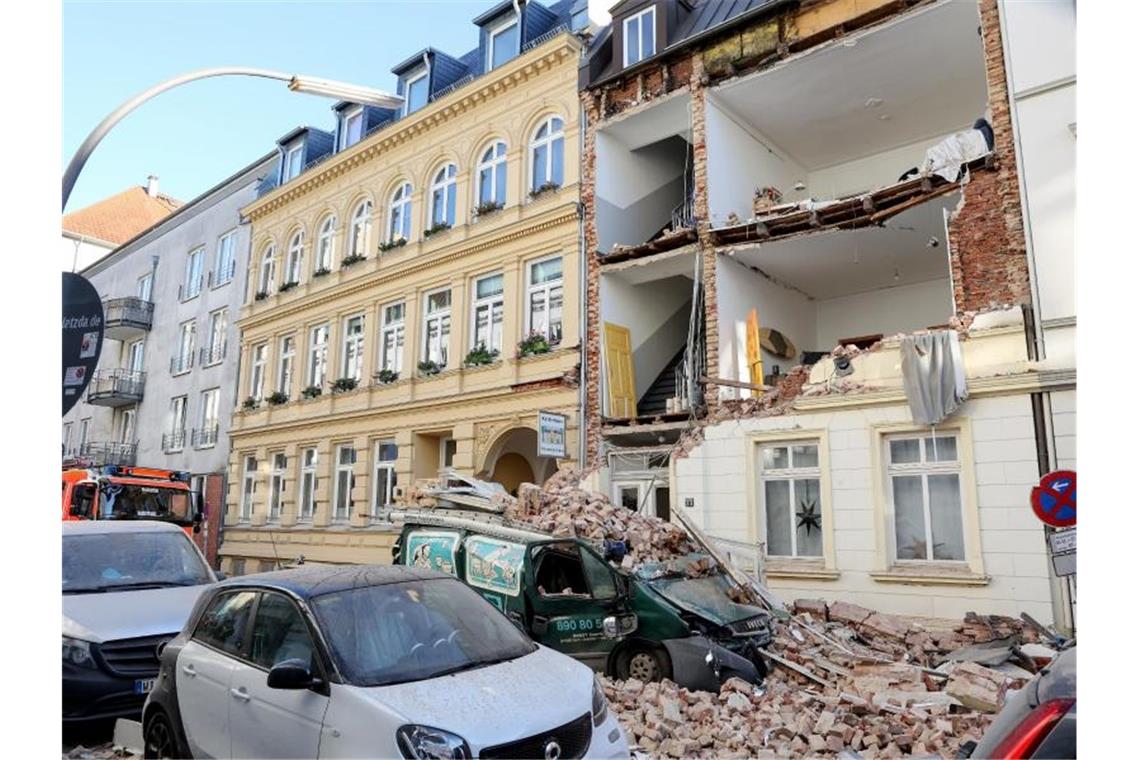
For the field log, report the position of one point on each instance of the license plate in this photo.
(144, 685)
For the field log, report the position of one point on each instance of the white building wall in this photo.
(78, 252)
(887, 311)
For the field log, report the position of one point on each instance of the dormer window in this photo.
(292, 166)
(353, 127)
(502, 43)
(416, 95)
(640, 36)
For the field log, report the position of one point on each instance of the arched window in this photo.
(546, 155)
(265, 277)
(294, 258)
(325, 243)
(443, 196)
(361, 227)
(400, 214)
(493, 175)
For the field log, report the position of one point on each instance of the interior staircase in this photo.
(662, 389)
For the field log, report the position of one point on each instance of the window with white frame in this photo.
(285, 364)
(208, 419)
(493, 175)
(295, 257)
(487, 311)
(792, 511)
(144, 286)
(443, 197)
(248, 488)
(67, 437)
(640, 40)
(307, 497)
(225, 260)
(318, 355)
(352, 348)
(260, 353)
(276, 485)
(447, 449)
(392, 339)
(84, 428)
(400, 214)
(136, 355)
(193, 283)
(437, 326)
(219, 324)
(924, 491)
(416, 93)
(345, 480)
(353, 127)
(292, 165)
(502, 43)
(384, 476)
(326, 244)
(127, 426)
(176, 430)
(184, 360)
(267, 271)
(546, 155)
(544, 299)
(360, 229)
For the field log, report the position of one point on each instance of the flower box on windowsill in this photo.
(486, 209)
(348, 261)
(436, 229)
(287, 286)
(480, 357)
(428, 368)
(399, 242)
(543, 189)
(344, 384)
(313, 391)
(385, 376)
(533, 344)
(277, 398)
(322, 272)
(250, 404)
(261, 295)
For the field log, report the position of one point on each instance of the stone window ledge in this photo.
(932, 574)
(799, 570)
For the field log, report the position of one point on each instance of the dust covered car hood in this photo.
(112, 615)
(707, 596)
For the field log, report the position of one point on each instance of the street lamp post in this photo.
(310, 85)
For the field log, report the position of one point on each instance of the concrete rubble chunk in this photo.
(844, 612)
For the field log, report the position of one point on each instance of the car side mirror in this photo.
(197, 527)
(290, 674)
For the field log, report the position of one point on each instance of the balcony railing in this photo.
(212, 355)
(126, 318)
(204, 438)
(182, 363)
(222, 276)
(116, 387)
(108, 452)
(174, 441)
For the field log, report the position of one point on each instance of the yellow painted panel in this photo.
(619, 372)
(755, 358)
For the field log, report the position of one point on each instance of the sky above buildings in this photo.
(196, 135)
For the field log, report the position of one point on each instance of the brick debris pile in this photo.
(847, 679)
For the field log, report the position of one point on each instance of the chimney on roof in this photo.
(152, 186)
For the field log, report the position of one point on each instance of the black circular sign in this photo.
(82, 336)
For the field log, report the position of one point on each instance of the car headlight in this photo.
(78, 653)
(417, 742)
(599, 709)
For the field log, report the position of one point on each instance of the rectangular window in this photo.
(392, 339)
(84, 426)
(248, 488)
(544, 299)
(216, 350)
(176, 425)
(207, 434)
(318, 355)
(488, 314)
(193, 284)
(353, 128)
(135, 356)
(292, 166)
(257, 371)
(447, 449)
(416, 93)
(144, 286)
(127, 426)
(307, 497)
(437, 327)
(790, 494)
(276, 485)
(640, 36)
(67, 438)
(226, 259)
(924, 491)
(285, 365)
(184, 360)
(384, 476)
(345, 480)
(352, 355)
(502, 44)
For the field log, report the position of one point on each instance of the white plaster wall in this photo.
(636, 190)
(887, 311)
(1042, 41)
(738, 291)
(871, 172)
(1064, 404)
(647, 309)
(741, 160)
(1005, 470)
(80, 254)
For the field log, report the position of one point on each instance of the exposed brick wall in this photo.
(591, 337)
(215, 497)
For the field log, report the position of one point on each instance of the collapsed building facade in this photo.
(814, 297)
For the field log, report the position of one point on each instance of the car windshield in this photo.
(411, 631)
(134, 502)
(116, 561)
(708, 596)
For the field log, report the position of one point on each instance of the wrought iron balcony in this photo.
(116, 387)
(126, 318)
(181, 363)
(204, 438)
(212, 355)
(108, 452)
(174, 441)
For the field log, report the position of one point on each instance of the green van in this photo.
(652, 623)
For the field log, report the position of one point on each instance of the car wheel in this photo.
(159, 740)
(644, 664)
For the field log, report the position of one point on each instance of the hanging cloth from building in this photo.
(934, 375)
(947, 157)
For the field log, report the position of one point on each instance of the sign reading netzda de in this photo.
(552, 435)
(82, 336)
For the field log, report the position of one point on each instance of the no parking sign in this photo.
(1055, 500)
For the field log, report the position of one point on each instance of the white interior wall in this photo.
(656, 314)
(870, 172)
(740, 289)
(741, 160)
(636, 190)
(887, 311)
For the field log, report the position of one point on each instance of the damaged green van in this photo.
(651, 623)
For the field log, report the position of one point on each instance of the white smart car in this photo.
(368, 661)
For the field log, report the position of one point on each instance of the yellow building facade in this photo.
(309, 473)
